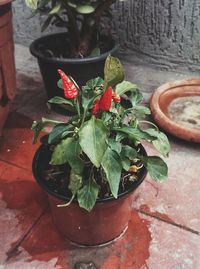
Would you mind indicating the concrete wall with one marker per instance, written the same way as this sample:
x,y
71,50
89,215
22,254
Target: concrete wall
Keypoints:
x,y
163,32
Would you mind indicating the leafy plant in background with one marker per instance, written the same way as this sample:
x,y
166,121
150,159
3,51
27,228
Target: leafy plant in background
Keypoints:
x,y
81,18
100,142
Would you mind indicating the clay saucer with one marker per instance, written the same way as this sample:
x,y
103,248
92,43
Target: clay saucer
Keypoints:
x,y
175,107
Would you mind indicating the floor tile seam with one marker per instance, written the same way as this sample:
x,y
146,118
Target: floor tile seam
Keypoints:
x,y
180,226
15,165
13,250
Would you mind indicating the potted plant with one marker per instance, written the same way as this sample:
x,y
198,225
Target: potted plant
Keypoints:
x,y
81,50
90,165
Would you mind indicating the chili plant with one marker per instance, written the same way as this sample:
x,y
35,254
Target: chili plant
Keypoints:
x,y
99,143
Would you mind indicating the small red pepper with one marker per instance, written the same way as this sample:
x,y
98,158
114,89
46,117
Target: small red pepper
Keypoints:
x,y
104,103
95,107
116,97
106,100
70,90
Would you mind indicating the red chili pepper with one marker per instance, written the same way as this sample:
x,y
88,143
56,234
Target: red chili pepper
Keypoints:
x,y
95,108
116,97
106,100
104,103
70,90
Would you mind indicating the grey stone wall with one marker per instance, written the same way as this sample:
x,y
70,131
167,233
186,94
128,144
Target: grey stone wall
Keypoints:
x,y
26,28
167,31
163,32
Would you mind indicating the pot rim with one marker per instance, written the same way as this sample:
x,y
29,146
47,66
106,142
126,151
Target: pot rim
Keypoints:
x,y
37,54
36,175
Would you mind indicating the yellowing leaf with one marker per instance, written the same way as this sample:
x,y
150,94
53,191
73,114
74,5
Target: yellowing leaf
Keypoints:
x,y
56,9
32,4
85,9
113,72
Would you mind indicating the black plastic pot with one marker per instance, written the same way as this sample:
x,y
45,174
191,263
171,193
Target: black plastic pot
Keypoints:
x,y
81,69
42,158
108,219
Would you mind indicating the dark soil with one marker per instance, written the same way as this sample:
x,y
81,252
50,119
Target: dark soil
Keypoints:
x,y
56,178
59,47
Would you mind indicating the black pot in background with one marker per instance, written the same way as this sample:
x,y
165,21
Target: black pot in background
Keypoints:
x,y
81,69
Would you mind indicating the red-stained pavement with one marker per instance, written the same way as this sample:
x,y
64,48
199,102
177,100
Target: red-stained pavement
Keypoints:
x,y
164,231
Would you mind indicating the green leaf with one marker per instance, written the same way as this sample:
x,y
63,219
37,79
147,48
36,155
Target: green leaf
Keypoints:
x,y
135,133
111,164
113,72
32,3
136,97
93,136
87,195
120,136
59,84
161,143
92,84
124,87
95,52
68,151
60,101
141,111
72,4
129,152
106,117
38,126
43,3
58,131
156,167
126,163
75,182
85,9
87,102
90,92
115,145
56,9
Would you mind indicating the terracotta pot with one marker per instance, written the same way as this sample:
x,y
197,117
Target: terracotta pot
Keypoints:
x,y
107,220
161,101
7,63
104,223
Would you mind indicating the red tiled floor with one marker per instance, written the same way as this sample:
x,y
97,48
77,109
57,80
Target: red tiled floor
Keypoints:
x,y
16,143
21,201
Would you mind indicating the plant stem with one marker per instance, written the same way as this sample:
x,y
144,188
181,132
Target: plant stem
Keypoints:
x,y
83,118
88,29
150,123
68,203
73,30
78,108
52,121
